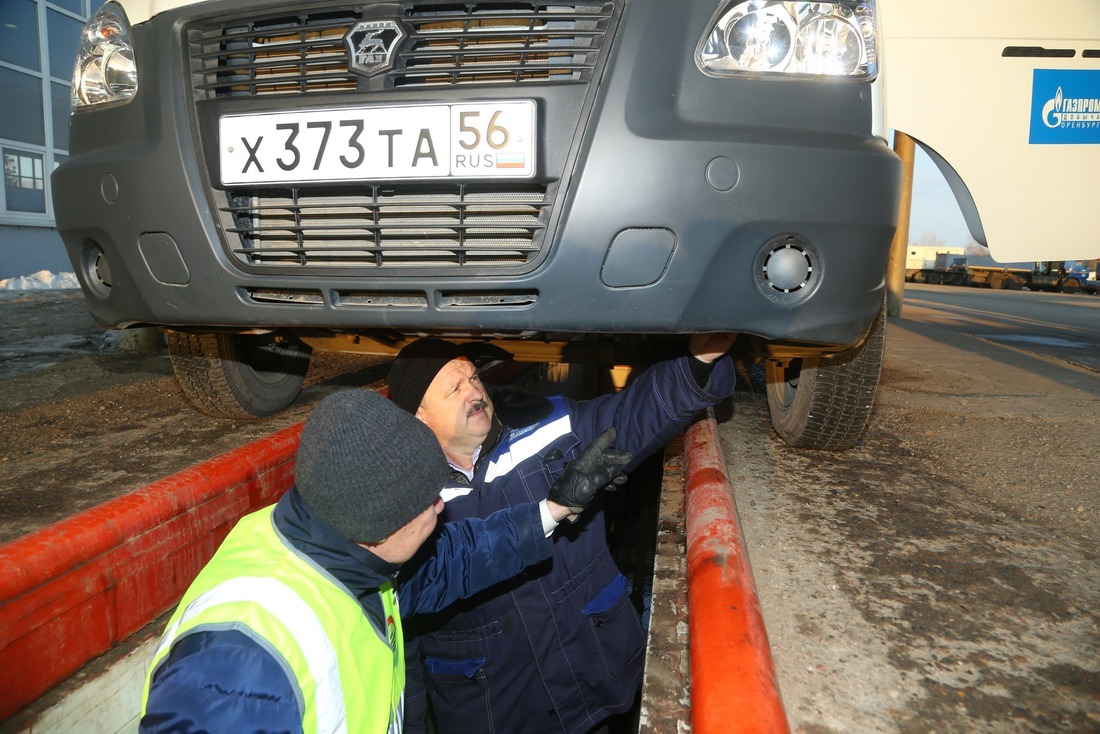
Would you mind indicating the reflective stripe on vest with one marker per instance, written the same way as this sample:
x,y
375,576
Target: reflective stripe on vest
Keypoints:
x,y
349,674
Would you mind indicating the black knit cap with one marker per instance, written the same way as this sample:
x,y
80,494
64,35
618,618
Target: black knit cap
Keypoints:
x,y
417,364
365,467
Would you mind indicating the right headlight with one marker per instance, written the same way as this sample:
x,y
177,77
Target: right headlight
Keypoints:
x,y
835,39
105,71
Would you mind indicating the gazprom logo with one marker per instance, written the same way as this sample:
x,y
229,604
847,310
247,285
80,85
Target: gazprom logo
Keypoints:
x,y
371,45
1065,106
1061,111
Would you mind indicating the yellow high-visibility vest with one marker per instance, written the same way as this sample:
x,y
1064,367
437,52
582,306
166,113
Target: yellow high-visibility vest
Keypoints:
x,y
350,676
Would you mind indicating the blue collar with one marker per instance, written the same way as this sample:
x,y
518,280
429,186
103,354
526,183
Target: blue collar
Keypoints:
x,y
352,565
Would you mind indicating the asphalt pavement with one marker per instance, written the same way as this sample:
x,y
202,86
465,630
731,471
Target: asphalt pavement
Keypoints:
x,y
941,576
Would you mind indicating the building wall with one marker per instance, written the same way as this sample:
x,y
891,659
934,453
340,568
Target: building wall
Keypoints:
x,y
38,42
27,250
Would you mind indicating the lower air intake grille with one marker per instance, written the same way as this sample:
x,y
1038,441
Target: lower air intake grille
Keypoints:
x,y
444,226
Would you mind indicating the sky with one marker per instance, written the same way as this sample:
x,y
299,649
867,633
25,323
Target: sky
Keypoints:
x,y
934,209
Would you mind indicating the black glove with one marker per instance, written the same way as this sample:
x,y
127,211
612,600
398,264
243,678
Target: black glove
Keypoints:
x,y
598,467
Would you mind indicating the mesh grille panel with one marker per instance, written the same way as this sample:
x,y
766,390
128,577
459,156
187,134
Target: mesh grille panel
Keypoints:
x,y
387,227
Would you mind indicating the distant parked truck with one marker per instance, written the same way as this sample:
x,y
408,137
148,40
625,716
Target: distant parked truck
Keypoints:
x,y
1066,276
1090,283
920,261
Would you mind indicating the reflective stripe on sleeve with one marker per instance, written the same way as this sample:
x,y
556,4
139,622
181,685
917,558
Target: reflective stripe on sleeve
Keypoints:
x,y
282,603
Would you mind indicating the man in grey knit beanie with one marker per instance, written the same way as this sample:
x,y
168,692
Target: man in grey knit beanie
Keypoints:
x,y
364,468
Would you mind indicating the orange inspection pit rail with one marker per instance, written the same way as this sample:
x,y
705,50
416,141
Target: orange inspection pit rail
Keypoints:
x,y
733,683
71,591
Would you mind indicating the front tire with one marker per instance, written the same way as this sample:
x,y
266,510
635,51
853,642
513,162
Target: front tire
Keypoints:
x,y
826,403
238,376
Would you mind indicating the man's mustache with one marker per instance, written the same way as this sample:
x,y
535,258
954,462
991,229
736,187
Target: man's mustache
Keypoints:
x,y
476,406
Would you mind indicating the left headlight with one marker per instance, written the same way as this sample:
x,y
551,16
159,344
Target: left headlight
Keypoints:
x,y
105,71
835,39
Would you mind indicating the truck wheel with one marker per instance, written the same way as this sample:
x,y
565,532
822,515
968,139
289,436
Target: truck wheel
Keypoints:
x,y
1071,285
934,278
997,281
825,403
236,376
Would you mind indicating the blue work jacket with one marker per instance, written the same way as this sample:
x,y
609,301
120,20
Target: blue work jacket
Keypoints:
x,y
560,647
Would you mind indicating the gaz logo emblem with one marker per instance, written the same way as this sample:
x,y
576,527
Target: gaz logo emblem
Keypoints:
x,y
371,45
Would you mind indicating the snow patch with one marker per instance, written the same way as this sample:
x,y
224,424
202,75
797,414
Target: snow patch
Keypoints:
x,y
42,280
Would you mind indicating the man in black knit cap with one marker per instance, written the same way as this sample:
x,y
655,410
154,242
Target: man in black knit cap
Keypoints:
x,y
559,649
295,624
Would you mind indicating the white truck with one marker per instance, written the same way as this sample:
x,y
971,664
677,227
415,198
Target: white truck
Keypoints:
x,y
920,260
264,179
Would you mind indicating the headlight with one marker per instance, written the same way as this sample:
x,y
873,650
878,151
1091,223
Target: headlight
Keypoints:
x,y
824,39
105,72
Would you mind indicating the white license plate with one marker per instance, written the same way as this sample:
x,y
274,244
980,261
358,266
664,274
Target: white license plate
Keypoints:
x,y
483,140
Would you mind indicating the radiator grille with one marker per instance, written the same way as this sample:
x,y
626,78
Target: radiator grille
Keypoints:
x,y
440,226
447,45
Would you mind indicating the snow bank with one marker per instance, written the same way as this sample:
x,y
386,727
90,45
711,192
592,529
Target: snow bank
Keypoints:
x,y
42,280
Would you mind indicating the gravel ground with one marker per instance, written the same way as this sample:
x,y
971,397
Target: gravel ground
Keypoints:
x,y
91,414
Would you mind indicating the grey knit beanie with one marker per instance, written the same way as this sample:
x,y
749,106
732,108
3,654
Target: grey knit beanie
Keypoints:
x,y
366,467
